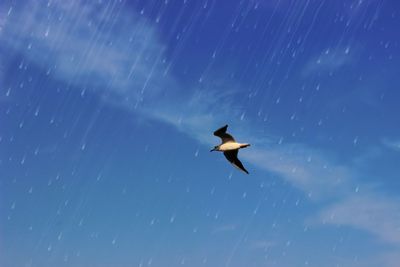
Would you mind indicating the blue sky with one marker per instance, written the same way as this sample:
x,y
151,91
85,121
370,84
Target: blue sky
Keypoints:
x,y
107,110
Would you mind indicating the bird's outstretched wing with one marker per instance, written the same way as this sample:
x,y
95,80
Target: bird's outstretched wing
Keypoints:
x,y
231,156
221,133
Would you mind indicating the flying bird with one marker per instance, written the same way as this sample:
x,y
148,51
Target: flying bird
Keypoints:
x,y
230,147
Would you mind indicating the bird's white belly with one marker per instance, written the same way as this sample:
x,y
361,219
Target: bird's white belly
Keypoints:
x,y
229,146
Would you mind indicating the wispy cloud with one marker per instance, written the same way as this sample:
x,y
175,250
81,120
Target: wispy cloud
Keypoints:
x,y
197,113
391,258
305,168
90,46
377,214
225,228
329,61
391,144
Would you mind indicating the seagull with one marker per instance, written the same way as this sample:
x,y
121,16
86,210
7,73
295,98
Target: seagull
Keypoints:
x,y
230,147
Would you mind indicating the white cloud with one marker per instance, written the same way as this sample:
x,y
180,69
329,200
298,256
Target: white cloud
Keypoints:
x,y
377,214
90,46
391,258
329,61
225,228
305,168
198,113
392,144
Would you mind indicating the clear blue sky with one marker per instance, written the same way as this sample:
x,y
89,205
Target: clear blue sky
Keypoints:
x,y
107,110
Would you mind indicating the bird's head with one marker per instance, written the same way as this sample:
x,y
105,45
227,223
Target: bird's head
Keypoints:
x,y
214,149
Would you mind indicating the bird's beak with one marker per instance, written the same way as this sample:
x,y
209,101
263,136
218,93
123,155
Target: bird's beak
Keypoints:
x,y
212,150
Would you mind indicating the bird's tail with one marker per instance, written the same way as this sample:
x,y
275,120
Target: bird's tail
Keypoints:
x,y
244,145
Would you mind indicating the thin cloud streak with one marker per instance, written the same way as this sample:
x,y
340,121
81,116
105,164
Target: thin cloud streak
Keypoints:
x,y
329,61
373,213
304,168
91,48
225,228
391,144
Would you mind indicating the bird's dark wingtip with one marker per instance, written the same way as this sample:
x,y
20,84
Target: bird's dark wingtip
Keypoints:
x,y
242,168
221,130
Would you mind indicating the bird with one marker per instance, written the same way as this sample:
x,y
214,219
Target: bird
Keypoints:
x,y
229,147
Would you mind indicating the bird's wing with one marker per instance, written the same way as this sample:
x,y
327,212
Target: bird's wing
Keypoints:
x,y
225,137
231,156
